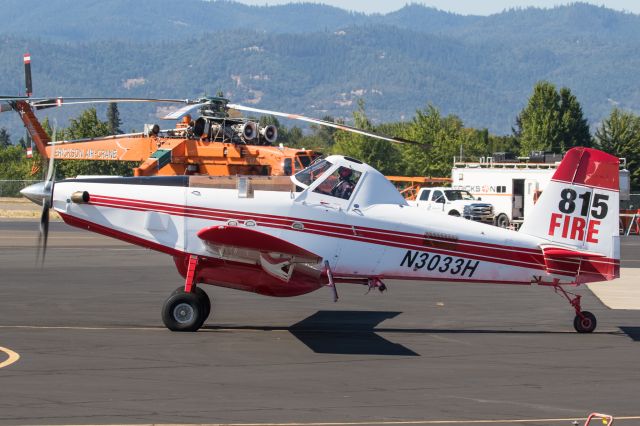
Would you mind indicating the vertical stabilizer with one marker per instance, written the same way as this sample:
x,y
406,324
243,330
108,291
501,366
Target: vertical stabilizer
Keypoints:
x,y
578,214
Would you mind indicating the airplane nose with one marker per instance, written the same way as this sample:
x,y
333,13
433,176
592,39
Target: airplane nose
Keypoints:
x,y
37,192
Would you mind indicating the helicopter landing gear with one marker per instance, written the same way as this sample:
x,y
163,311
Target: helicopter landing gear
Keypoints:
x,y
188,307
584,321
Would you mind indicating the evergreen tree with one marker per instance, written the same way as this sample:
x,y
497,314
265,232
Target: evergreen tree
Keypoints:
x,y
551,121
5,138
575,127
619,135
87,125
539,126
442,139
113,119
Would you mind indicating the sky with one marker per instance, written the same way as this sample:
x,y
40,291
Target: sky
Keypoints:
x,y
464,7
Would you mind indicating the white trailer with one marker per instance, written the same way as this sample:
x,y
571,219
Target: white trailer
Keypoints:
x,y
512,188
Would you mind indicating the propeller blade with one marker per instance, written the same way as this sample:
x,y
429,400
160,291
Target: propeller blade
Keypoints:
x,y
321,122
43,237
47,202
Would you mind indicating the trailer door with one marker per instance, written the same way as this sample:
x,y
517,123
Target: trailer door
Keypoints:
x,y
531,188
517,199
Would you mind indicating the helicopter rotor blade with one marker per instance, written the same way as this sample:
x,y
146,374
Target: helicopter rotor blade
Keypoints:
x,y
177,114
51,102
322,122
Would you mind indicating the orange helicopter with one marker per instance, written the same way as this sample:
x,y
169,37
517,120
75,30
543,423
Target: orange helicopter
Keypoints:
x,y
219,142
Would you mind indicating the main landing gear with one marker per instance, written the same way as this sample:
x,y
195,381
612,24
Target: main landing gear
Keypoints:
x,y
188,307
585,321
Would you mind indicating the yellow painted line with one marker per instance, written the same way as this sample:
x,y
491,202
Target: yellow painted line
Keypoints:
x,y
13,357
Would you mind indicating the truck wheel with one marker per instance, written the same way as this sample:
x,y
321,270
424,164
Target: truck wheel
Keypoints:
x,y
502,221
454,213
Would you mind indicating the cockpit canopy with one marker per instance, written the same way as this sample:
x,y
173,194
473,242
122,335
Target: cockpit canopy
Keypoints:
x,y
343,180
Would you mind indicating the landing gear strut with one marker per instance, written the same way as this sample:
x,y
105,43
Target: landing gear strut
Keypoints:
x,y
584,321
188,307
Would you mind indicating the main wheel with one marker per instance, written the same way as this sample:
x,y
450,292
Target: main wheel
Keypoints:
x,y
183,312
585,324
454,213
204,299
502,220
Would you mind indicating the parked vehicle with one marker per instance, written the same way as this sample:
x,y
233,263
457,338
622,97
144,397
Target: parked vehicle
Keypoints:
x,y
454,202
512,187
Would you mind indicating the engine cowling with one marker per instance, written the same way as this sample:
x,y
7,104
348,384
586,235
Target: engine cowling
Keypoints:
x,y
249,131
269,133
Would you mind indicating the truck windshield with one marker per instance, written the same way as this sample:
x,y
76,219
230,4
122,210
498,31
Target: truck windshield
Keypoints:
x,y
453,195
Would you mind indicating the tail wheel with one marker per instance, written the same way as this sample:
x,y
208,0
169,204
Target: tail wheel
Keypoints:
x,y
585,323
502,221
183,312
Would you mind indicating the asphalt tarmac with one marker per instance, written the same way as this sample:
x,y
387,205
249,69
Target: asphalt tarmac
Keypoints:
x,y
82,342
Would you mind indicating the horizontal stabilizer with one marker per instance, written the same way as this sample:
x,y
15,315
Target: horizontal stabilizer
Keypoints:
x,y
555,251
584,266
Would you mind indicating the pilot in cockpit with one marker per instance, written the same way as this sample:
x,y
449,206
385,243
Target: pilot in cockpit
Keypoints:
x,y
344,187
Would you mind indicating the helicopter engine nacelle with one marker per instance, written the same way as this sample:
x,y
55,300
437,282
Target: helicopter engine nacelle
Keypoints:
x,y
269,133
249,131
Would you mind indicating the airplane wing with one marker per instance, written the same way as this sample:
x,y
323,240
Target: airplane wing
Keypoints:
x,y
276,256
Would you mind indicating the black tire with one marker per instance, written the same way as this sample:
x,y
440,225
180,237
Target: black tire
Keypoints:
x,y
204,301
454,213
585,324
502,221
183,312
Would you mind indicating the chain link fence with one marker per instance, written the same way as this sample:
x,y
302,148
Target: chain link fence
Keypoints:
x,y
11,188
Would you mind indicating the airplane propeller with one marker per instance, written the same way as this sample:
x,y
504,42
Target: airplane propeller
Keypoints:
x,y
42,193
47,203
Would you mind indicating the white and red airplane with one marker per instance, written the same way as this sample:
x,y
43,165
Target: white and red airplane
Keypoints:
x,y
341,221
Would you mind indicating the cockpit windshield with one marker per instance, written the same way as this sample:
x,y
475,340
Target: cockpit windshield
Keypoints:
x,y
307,176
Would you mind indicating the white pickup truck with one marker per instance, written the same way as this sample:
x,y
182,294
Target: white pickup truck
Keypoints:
x,y
454,202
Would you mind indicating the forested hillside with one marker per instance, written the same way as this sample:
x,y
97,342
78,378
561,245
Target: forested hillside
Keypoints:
x,y
320,60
